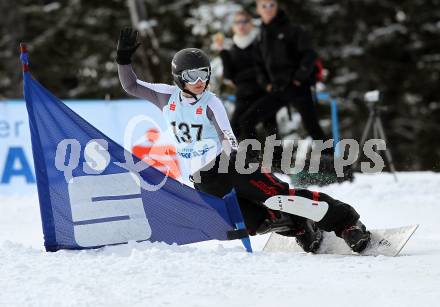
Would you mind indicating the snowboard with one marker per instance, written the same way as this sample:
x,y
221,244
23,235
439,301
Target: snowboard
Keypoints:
x,y
385,242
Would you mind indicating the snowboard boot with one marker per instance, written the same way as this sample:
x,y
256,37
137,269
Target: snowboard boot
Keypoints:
x,y
310,237
356,236
307,235
276,222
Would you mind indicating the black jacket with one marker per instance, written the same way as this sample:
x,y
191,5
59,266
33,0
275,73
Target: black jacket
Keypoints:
x,y
239,67
283,53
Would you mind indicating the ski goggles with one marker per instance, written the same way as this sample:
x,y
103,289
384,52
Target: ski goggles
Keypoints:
x,y
192,76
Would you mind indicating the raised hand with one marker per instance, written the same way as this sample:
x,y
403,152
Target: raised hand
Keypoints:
x,y
127,45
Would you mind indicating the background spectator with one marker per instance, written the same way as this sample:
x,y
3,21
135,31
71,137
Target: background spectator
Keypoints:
x,y
285,62
239,69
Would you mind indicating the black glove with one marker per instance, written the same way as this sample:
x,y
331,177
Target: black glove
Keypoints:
x,y
127,45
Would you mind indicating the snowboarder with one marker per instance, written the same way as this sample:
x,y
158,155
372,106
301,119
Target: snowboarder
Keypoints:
x,y
196,115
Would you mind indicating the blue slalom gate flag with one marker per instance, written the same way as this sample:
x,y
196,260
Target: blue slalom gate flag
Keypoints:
x,y
92,192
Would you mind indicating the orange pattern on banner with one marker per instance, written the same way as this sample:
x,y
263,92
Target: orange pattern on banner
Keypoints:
x,y
162,157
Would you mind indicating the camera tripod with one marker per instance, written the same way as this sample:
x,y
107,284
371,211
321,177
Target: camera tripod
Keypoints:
x,y
374,124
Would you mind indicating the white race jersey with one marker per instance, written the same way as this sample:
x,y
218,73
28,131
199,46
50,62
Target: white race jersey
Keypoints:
x,y
200,126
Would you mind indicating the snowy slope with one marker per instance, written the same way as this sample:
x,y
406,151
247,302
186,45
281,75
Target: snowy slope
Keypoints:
x,y
221,273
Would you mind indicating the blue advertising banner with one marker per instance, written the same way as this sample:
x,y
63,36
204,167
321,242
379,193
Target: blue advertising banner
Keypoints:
x,y
93,192
15,151
135,124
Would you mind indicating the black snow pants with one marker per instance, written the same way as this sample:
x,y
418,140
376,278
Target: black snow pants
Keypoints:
x,y
248,131
253,189
300,97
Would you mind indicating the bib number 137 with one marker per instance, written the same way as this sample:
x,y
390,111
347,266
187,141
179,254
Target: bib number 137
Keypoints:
x,y
186,131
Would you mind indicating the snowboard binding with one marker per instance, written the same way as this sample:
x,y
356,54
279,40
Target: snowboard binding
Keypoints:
x,y
356,236
307,234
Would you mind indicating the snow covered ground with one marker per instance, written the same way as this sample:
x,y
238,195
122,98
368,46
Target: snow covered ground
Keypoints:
x,y
221,273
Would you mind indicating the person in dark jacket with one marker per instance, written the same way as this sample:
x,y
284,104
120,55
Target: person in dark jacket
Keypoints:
x,y
239,68
285,64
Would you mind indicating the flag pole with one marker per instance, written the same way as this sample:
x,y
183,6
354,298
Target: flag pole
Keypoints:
x,y
24,57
